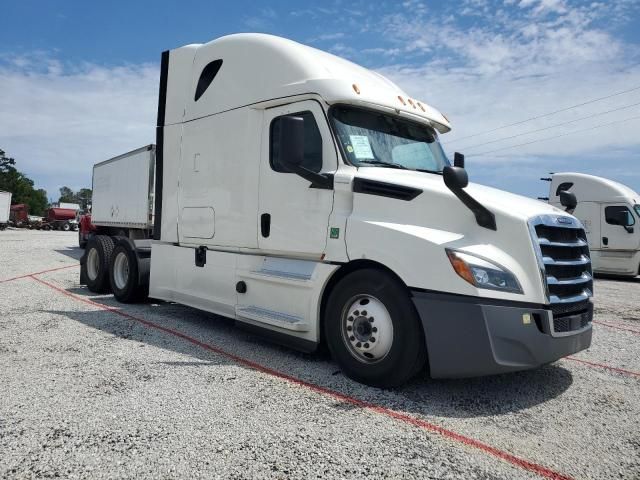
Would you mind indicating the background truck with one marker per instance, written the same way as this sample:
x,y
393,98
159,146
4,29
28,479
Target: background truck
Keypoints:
x,y
19,215
5,208
610,213
313,203
123,197
60,219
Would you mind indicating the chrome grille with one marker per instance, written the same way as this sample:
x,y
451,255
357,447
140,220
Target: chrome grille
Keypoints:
x,y
565,266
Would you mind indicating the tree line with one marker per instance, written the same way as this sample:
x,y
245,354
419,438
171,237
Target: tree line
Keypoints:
x,y
23,190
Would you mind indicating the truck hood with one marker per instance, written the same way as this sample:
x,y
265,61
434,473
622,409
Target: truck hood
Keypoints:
x,y
501,203
410,235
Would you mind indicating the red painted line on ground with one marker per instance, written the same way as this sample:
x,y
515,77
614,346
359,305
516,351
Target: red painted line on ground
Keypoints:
x,y
597,322
606,367
38,273
402,417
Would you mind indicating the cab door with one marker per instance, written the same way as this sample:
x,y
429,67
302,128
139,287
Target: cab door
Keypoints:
x,y
619,227
293,217
619,239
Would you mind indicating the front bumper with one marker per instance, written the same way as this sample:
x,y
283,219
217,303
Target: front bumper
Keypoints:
x,y
469,337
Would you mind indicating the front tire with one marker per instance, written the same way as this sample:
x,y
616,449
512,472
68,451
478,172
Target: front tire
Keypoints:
x,y
95,267
373,331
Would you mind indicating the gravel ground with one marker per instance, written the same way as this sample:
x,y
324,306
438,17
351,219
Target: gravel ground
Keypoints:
x,y
88,393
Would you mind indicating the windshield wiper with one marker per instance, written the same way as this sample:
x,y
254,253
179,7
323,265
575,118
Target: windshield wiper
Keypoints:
x,y
439,172
384,164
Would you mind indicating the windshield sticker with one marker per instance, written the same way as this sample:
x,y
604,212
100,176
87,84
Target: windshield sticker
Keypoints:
x,y
361,147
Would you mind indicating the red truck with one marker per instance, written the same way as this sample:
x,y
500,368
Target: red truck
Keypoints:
x,y
61,219
19,215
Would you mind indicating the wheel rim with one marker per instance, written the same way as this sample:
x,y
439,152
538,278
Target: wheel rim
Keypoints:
x,y
367,328
93,264
121,270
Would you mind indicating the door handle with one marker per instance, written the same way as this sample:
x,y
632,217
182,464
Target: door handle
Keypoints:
x,y
605,241
265,224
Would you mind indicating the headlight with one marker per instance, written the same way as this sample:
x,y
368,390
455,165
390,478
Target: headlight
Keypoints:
x,y
482,273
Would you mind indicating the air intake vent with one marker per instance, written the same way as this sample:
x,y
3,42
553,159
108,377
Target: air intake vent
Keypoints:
x,y
383,189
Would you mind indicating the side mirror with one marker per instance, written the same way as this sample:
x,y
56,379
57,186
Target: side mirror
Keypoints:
x,y
455,178
291,141
629,228
568,200
291,145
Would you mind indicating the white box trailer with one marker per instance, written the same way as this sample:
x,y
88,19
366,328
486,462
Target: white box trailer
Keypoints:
x,y
123,193
610,213
309,198
5,207
70,206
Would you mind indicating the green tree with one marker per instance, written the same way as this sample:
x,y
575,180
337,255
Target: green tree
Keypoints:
x,y
20,186
81,197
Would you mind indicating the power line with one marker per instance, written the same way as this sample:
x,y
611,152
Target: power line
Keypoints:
x,y
554,137
554,126
547,114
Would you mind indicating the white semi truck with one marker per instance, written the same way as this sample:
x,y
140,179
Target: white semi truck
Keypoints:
x,y
610,213
5,207
309,198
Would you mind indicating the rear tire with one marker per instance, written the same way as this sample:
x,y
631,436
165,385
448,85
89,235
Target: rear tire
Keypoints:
x,y
373,330
128,274
66,226
95,267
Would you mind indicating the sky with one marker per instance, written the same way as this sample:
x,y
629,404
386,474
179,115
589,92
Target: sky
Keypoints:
x,y
79,80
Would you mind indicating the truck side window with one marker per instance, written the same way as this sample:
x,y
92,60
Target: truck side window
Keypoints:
x,y
312,144
619,215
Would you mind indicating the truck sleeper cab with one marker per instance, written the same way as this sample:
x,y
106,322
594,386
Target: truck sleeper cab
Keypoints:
x,y
305,197
610,213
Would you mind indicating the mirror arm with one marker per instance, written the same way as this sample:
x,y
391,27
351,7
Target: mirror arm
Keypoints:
x,y
318,180
484,217
456,179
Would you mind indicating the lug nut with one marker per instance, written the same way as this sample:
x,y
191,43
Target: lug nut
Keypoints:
x,y
370,319
349,328
366,345
372,339
358,344
374,329
356,313
352,338
364,313
350,319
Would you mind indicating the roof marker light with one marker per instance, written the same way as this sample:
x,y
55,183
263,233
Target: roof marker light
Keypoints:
x,y
402,100
411,103
421,107
356,89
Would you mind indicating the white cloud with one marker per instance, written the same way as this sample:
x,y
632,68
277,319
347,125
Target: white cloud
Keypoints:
x,y
58,121
511,67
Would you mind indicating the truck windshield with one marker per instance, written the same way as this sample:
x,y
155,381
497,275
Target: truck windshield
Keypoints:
x,y
637,209
376,139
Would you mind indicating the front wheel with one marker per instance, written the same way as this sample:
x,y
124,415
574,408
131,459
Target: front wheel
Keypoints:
x,y
66,226
373,330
